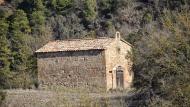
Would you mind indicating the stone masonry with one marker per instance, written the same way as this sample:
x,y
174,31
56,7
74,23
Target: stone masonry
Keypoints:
x,y
94,64
83,69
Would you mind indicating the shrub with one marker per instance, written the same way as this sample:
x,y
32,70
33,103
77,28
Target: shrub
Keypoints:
x,y
90,9
2,97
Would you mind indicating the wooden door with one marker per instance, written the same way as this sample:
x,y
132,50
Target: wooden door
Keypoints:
x,y
119,79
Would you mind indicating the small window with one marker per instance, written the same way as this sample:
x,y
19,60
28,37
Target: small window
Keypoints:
x,y
110,71
118,49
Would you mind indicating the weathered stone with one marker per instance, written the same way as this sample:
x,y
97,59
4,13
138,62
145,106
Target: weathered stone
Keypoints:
x,y
92,69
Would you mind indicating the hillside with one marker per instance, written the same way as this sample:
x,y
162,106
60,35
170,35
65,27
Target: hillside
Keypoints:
x,y
159,31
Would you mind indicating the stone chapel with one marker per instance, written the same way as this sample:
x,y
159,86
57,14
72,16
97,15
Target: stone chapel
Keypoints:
x,y
97,64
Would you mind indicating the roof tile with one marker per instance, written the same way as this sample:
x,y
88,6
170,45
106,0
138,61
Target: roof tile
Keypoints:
x,y
76,45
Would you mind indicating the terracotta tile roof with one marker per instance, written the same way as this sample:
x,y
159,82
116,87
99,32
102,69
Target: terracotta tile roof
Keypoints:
x,y
76,45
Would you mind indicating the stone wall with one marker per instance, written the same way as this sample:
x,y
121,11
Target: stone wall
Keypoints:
x,y
77,69
2,1
117,55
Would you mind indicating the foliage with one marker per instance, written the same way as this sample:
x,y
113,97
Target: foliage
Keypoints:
x,y
38,5
4,54
161,62
37,21
90,9
19,38
60,5
158,30
2,97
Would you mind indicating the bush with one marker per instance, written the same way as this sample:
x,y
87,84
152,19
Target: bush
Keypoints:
x,y
2,97
61,5
90,9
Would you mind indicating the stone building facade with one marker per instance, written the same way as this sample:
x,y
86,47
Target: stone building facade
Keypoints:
x,y
92,64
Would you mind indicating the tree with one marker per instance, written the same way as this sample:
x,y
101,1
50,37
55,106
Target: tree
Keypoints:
x,y
60,5
37,17
37,21
90,9
38,5
4,54
19,46
162,62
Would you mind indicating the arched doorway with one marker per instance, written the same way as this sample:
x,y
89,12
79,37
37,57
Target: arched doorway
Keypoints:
x,y
119,77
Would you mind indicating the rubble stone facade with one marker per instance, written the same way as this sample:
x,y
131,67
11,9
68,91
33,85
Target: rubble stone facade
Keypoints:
x,y
93,69
79,69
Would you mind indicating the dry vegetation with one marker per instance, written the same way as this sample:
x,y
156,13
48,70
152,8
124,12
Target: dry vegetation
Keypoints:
x,y
62,98
159,31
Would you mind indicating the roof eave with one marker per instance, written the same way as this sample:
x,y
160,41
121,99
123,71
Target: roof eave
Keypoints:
x,y
126,42
68,50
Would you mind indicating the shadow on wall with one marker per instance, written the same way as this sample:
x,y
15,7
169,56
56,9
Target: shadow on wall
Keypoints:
x,y
69,53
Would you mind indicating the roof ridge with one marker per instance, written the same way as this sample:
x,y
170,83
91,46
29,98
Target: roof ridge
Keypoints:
x,y
80,39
